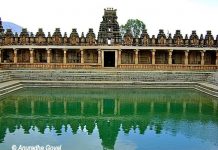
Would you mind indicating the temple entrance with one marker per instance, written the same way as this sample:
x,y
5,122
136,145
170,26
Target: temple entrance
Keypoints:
x,y
109,59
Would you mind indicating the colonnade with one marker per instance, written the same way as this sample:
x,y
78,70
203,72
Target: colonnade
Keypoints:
x,y
118,58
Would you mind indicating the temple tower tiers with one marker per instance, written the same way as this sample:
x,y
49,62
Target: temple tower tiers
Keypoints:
x,y
1,26
109,31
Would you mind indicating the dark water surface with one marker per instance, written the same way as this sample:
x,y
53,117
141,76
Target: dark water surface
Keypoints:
x,y
92,119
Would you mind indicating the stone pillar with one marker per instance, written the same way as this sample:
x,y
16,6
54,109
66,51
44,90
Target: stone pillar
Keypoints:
x,y
202,57
119,56
48,55
186,57
15,55
170,57
99,56
82,56
136,56
0,55
216,57
31,56
65,56
153,56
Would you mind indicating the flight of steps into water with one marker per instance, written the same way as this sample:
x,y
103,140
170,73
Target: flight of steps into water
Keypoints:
x,y
110,79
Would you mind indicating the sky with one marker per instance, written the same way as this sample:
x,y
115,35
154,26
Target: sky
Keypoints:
x,y
170,15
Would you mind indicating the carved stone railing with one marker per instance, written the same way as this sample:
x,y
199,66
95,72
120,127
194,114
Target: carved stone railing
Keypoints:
x,y
48,66
173,67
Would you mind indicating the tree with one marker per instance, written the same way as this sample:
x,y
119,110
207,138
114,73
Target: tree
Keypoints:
x,y
134,25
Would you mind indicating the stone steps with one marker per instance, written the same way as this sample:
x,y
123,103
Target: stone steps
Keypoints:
x,y
10,86
207,89
5,76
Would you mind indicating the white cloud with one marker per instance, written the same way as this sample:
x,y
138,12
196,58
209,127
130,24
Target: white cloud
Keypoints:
x,y
169,15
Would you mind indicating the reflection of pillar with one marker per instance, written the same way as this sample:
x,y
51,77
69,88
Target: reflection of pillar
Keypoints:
x,y
135,107
119,56
49,107
170,57
99,107
200,107
118,107
31,56
102,107
99,56
136,56
153,56
214,106
184,106
82,107
202,57
65,56
65,107
1,107
48,55
82,56
115,106
15,55
152,107
32,107
168,107
216,57
186,57
16,107
0,55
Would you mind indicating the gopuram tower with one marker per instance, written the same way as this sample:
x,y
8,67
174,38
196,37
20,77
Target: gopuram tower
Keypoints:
x,y
109,30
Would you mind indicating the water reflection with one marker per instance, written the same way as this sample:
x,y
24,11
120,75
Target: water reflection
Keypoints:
x,y
110,112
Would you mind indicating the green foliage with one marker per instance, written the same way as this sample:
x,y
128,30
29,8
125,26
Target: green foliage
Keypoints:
x,y
134,25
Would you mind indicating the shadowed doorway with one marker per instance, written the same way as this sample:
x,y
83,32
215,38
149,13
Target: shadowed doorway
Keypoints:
x,y
109,59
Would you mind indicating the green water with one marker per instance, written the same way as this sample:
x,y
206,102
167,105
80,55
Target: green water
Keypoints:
x,y
92,119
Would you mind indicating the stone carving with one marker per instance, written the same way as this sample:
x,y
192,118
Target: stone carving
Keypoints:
x,y
145,38
209,39
83,39
161,38
178,38
194,40
40,37
9,36
153,40
109,28
74,37
31,38
57,37
201,41
128,38
65,38
24,37
169,40
186,40
90,37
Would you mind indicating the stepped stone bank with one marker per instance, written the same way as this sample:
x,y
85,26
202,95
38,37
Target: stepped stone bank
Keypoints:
x,y
108,59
